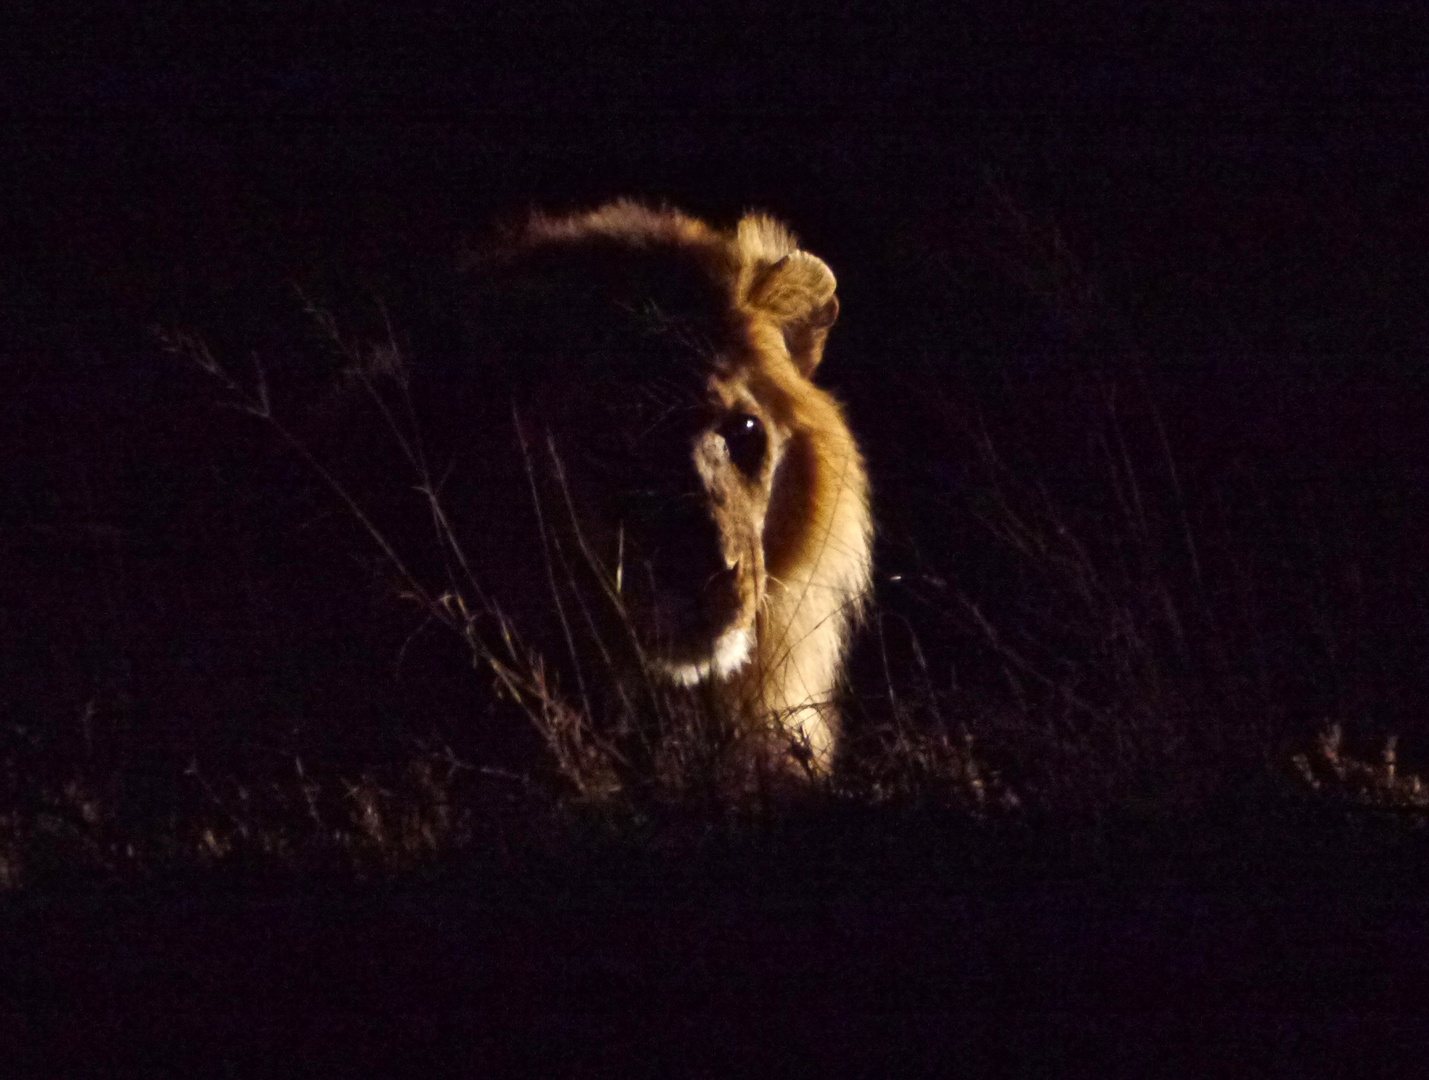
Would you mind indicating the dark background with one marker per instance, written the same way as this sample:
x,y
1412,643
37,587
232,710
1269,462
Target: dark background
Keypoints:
x,y
1222,209
1214,213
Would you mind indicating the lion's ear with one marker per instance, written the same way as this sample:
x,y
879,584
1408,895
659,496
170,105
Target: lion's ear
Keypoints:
x,y
793,286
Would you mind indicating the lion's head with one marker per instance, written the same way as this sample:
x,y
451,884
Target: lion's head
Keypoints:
x,y
661,373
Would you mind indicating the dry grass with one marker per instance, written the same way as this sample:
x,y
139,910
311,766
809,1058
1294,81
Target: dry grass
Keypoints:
x,y
379,823
634,738
1096,646
1337,777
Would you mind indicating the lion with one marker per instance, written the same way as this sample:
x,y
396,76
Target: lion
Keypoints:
x,y
659,375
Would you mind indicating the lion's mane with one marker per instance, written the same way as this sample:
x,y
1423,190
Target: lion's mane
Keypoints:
x,y
738,318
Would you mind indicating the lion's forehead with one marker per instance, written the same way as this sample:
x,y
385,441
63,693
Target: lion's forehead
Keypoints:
x,y
726,365
765,385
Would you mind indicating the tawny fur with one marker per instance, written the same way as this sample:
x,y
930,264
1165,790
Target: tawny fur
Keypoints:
x,y
795,532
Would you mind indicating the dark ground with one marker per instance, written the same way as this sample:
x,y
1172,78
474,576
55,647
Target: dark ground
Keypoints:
x,y
1142,969
1243,193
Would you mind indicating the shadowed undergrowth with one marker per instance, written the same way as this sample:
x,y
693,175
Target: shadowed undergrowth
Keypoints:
x,y
265,643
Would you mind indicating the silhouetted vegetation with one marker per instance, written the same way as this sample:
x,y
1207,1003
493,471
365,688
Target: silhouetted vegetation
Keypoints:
x,y
1131,568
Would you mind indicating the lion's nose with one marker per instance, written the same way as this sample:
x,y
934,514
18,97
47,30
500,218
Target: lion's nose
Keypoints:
x,y
724,579
721,594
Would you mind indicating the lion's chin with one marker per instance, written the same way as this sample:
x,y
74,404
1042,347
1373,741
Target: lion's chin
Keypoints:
x,y
730,652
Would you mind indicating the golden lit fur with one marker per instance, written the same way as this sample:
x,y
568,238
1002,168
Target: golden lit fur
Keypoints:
x,y
728,500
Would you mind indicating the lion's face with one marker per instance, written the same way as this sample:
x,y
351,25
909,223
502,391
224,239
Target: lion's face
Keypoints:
x,y
670,467
678,447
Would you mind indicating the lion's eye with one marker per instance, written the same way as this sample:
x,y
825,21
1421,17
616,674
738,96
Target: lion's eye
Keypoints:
x,y
744,435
